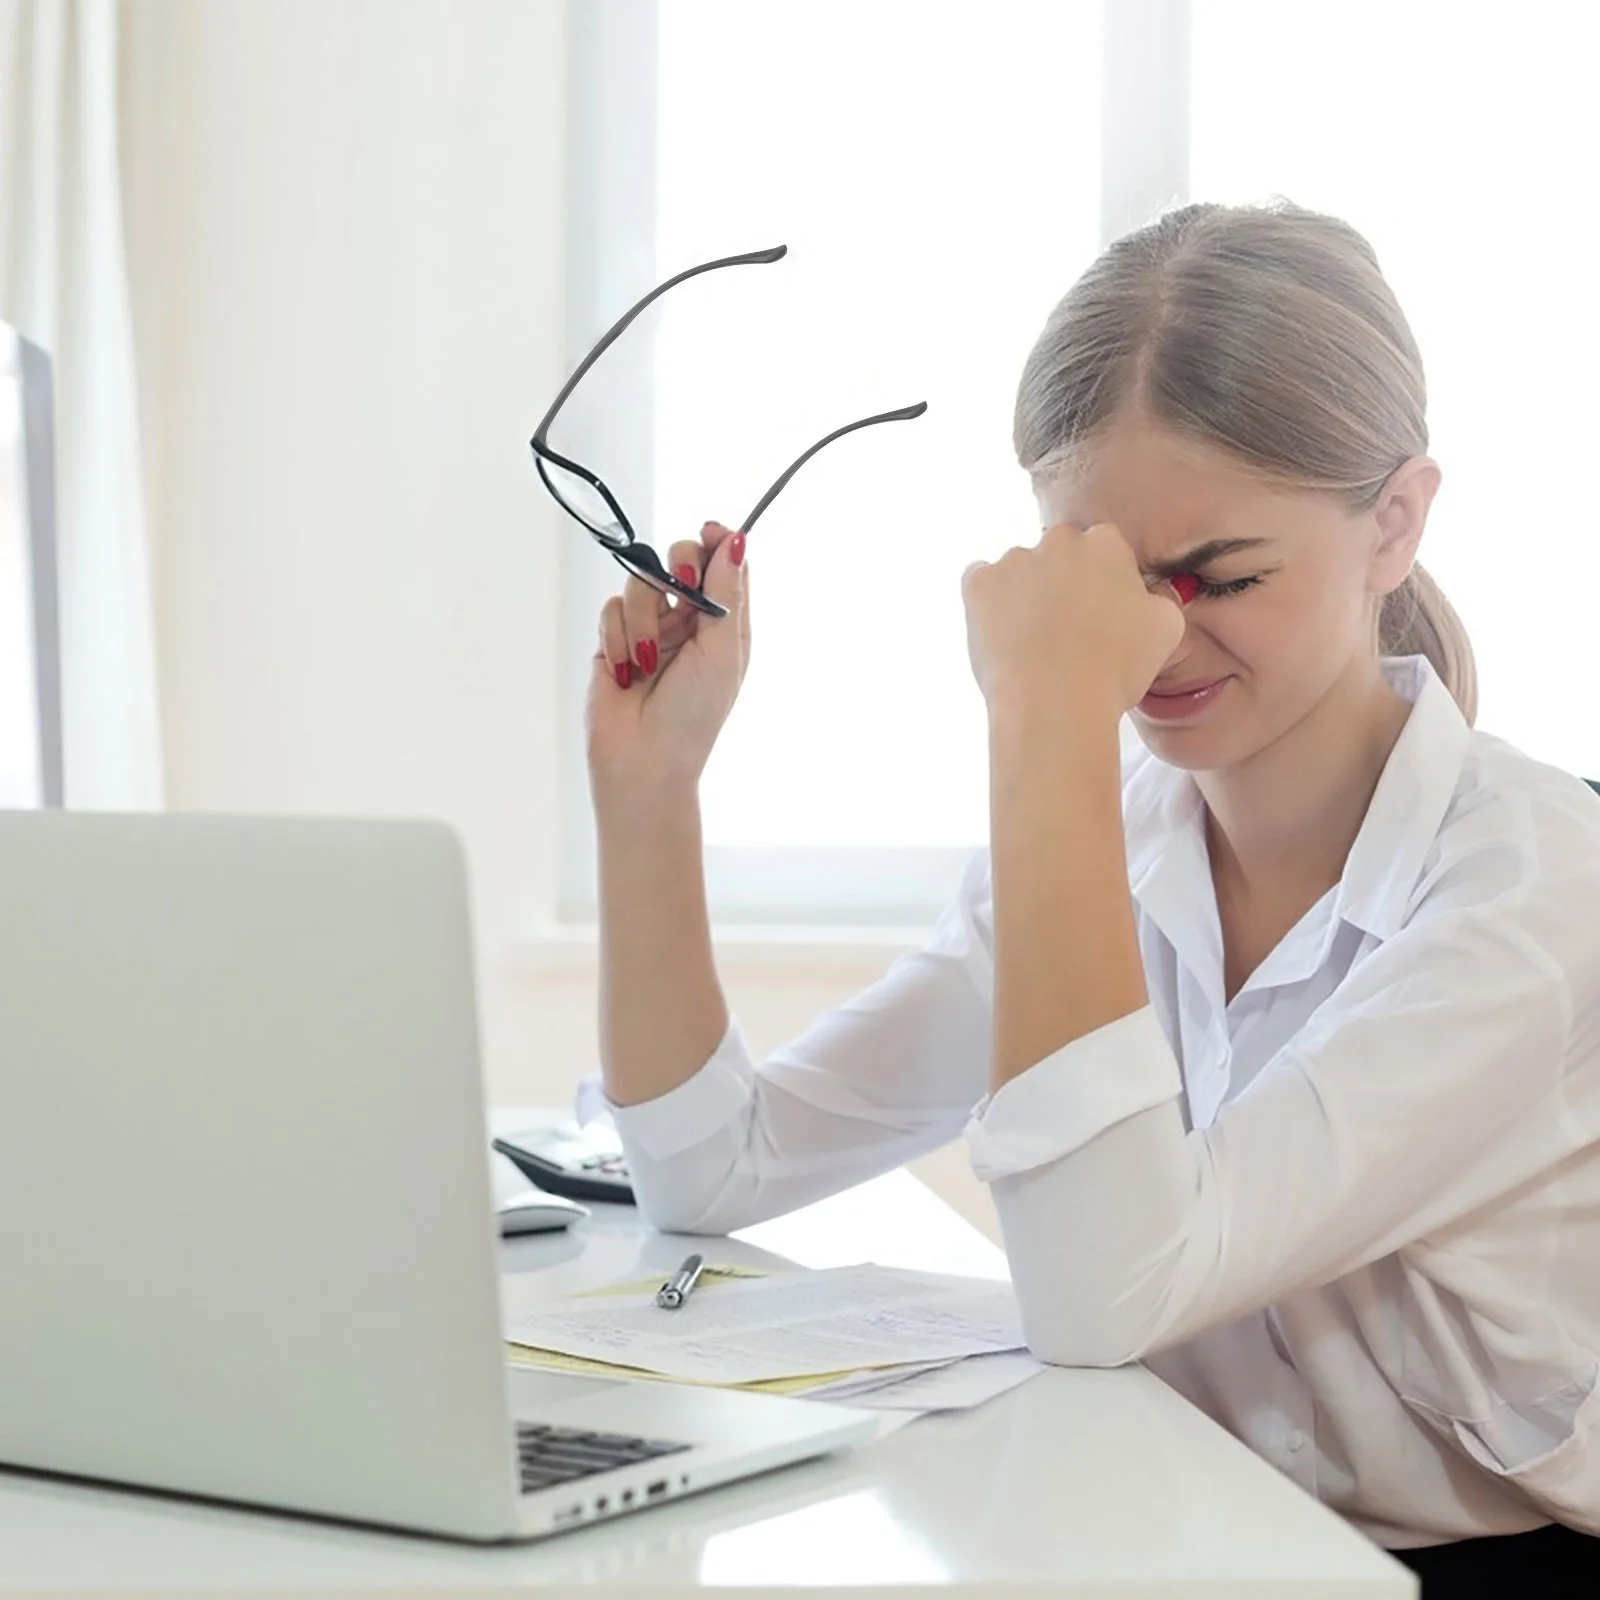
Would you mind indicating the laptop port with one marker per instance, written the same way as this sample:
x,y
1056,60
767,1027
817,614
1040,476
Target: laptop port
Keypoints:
x,y
602,1503
658,1487
571,1514
627,1497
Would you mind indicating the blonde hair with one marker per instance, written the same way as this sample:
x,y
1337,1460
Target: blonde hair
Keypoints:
x,y
1269,332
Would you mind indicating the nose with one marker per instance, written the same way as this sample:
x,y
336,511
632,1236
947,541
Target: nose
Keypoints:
x,y
1183,586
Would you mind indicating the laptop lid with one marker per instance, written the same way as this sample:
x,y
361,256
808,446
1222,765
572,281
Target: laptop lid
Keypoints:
x,y
246,1226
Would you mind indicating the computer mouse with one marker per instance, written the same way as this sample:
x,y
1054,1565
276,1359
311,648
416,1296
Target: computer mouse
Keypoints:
x,y
522,1208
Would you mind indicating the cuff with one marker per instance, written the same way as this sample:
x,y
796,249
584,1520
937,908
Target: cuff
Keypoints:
x,y
1062,1102
697,1108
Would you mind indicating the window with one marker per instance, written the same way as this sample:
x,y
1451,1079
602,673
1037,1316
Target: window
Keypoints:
x,y
941,176
938,186
1457,139
938,192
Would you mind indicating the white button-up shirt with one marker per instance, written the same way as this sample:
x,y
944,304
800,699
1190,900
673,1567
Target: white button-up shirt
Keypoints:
x,y
1353,1214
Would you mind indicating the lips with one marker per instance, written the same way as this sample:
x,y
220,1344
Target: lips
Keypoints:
x,y
1177,703
1174,689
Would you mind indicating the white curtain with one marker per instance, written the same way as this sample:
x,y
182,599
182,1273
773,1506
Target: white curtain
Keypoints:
x,y
63,283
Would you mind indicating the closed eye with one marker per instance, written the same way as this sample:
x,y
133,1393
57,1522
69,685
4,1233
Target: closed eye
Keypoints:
x,y
1217,591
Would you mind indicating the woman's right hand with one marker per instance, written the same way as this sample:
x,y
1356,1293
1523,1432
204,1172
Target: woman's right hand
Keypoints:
x,y
665,675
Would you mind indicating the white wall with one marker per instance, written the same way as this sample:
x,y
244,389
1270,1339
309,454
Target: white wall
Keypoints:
x,y
346,246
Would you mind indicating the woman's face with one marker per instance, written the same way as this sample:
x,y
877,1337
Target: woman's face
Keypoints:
x,y
1286,604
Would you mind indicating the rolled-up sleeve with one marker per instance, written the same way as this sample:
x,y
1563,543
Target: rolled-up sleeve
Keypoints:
x,y
1062,1103
1433,1080
885,1077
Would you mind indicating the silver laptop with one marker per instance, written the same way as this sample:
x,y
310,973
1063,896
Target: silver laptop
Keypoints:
x,y
247,1235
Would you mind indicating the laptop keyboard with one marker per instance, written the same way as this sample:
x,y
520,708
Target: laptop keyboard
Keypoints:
x,y
550,1455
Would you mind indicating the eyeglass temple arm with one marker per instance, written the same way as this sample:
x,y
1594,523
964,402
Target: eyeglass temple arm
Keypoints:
x,y
776,253
904,414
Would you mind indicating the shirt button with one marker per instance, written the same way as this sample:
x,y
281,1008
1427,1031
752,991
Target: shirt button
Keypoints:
x,y
1296,1440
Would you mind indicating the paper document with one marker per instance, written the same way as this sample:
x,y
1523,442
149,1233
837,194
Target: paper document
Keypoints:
x,y
947,1386
523,1355
848,1385
786,1326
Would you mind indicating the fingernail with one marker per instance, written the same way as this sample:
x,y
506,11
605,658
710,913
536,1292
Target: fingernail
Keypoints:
x,y
647,656
736,549
624,672
686,574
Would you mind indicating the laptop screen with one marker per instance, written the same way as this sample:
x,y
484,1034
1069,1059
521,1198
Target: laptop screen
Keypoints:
x,y
30,659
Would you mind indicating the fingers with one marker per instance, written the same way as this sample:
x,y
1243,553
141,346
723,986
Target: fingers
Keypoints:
x,y
723,576
712,536
700,565
614,642
642,605
641,629
648,617
687,560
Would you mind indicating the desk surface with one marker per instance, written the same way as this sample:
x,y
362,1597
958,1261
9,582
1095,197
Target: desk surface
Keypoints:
x,y
1081,1482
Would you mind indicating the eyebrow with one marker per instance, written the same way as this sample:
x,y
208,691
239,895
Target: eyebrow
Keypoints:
x,y
1211,550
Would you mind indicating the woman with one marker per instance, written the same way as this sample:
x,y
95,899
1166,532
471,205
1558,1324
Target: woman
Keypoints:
x,y
1277,1038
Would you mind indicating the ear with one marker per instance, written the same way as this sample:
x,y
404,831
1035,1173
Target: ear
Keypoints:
x,y
1400,514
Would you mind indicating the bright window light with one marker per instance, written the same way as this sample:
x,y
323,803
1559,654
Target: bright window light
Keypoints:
x,y
935,174
1459,140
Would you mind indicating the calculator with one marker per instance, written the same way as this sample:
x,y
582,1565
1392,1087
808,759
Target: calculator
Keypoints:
x,y
570,1161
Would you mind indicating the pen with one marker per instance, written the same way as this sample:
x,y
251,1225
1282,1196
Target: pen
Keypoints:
x,y
676,1289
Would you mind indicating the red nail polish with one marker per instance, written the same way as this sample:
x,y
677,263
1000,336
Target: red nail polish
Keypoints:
x,y
686,574
647,656
736,549
1186,586
624,672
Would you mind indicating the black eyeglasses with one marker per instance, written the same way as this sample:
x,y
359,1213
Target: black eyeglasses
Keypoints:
x,y
582,495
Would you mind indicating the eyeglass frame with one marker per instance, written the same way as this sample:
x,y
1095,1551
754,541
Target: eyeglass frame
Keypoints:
x,y
647,565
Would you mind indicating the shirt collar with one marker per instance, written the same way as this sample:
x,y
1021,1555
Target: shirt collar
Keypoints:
x,y
1164,815
1410,803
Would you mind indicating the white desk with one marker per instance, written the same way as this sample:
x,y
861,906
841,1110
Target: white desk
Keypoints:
x,y
1083,1483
